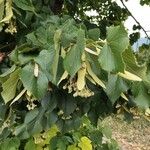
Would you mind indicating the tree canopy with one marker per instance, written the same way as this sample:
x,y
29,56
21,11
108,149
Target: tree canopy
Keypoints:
x,y
61,70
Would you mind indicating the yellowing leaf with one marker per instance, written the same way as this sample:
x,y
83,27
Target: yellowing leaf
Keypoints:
x,y
93,75
44,138
8,12
129,76
50,133
81,78
1,9
85,143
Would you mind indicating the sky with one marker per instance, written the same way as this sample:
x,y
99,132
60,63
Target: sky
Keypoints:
x,y
141,13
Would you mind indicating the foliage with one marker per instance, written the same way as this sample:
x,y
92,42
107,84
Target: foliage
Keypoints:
x,y
147,2
62,70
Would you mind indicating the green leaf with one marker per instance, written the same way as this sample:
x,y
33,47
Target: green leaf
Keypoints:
x,y
52,132
30,145
140,92
45,60
10,144
9,71
69,32
115,87
51,117
110,57
35,126
4,77
94,34
24,48
57,37
70,124
67,104
72,61
142,100
107,132
59,143
14,56
31,38
42,37
96,137
36,85
49,102
21,131
9,87
31,115
25,5
73,147
113,145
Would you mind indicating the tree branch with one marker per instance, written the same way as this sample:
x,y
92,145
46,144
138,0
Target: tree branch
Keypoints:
x,y
135,19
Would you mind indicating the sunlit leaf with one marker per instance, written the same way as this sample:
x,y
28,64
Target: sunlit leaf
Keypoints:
x,y
111,54
85,143
72,147
8,12
9,87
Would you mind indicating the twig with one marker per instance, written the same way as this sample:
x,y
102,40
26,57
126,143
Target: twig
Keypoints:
x,y
135,19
